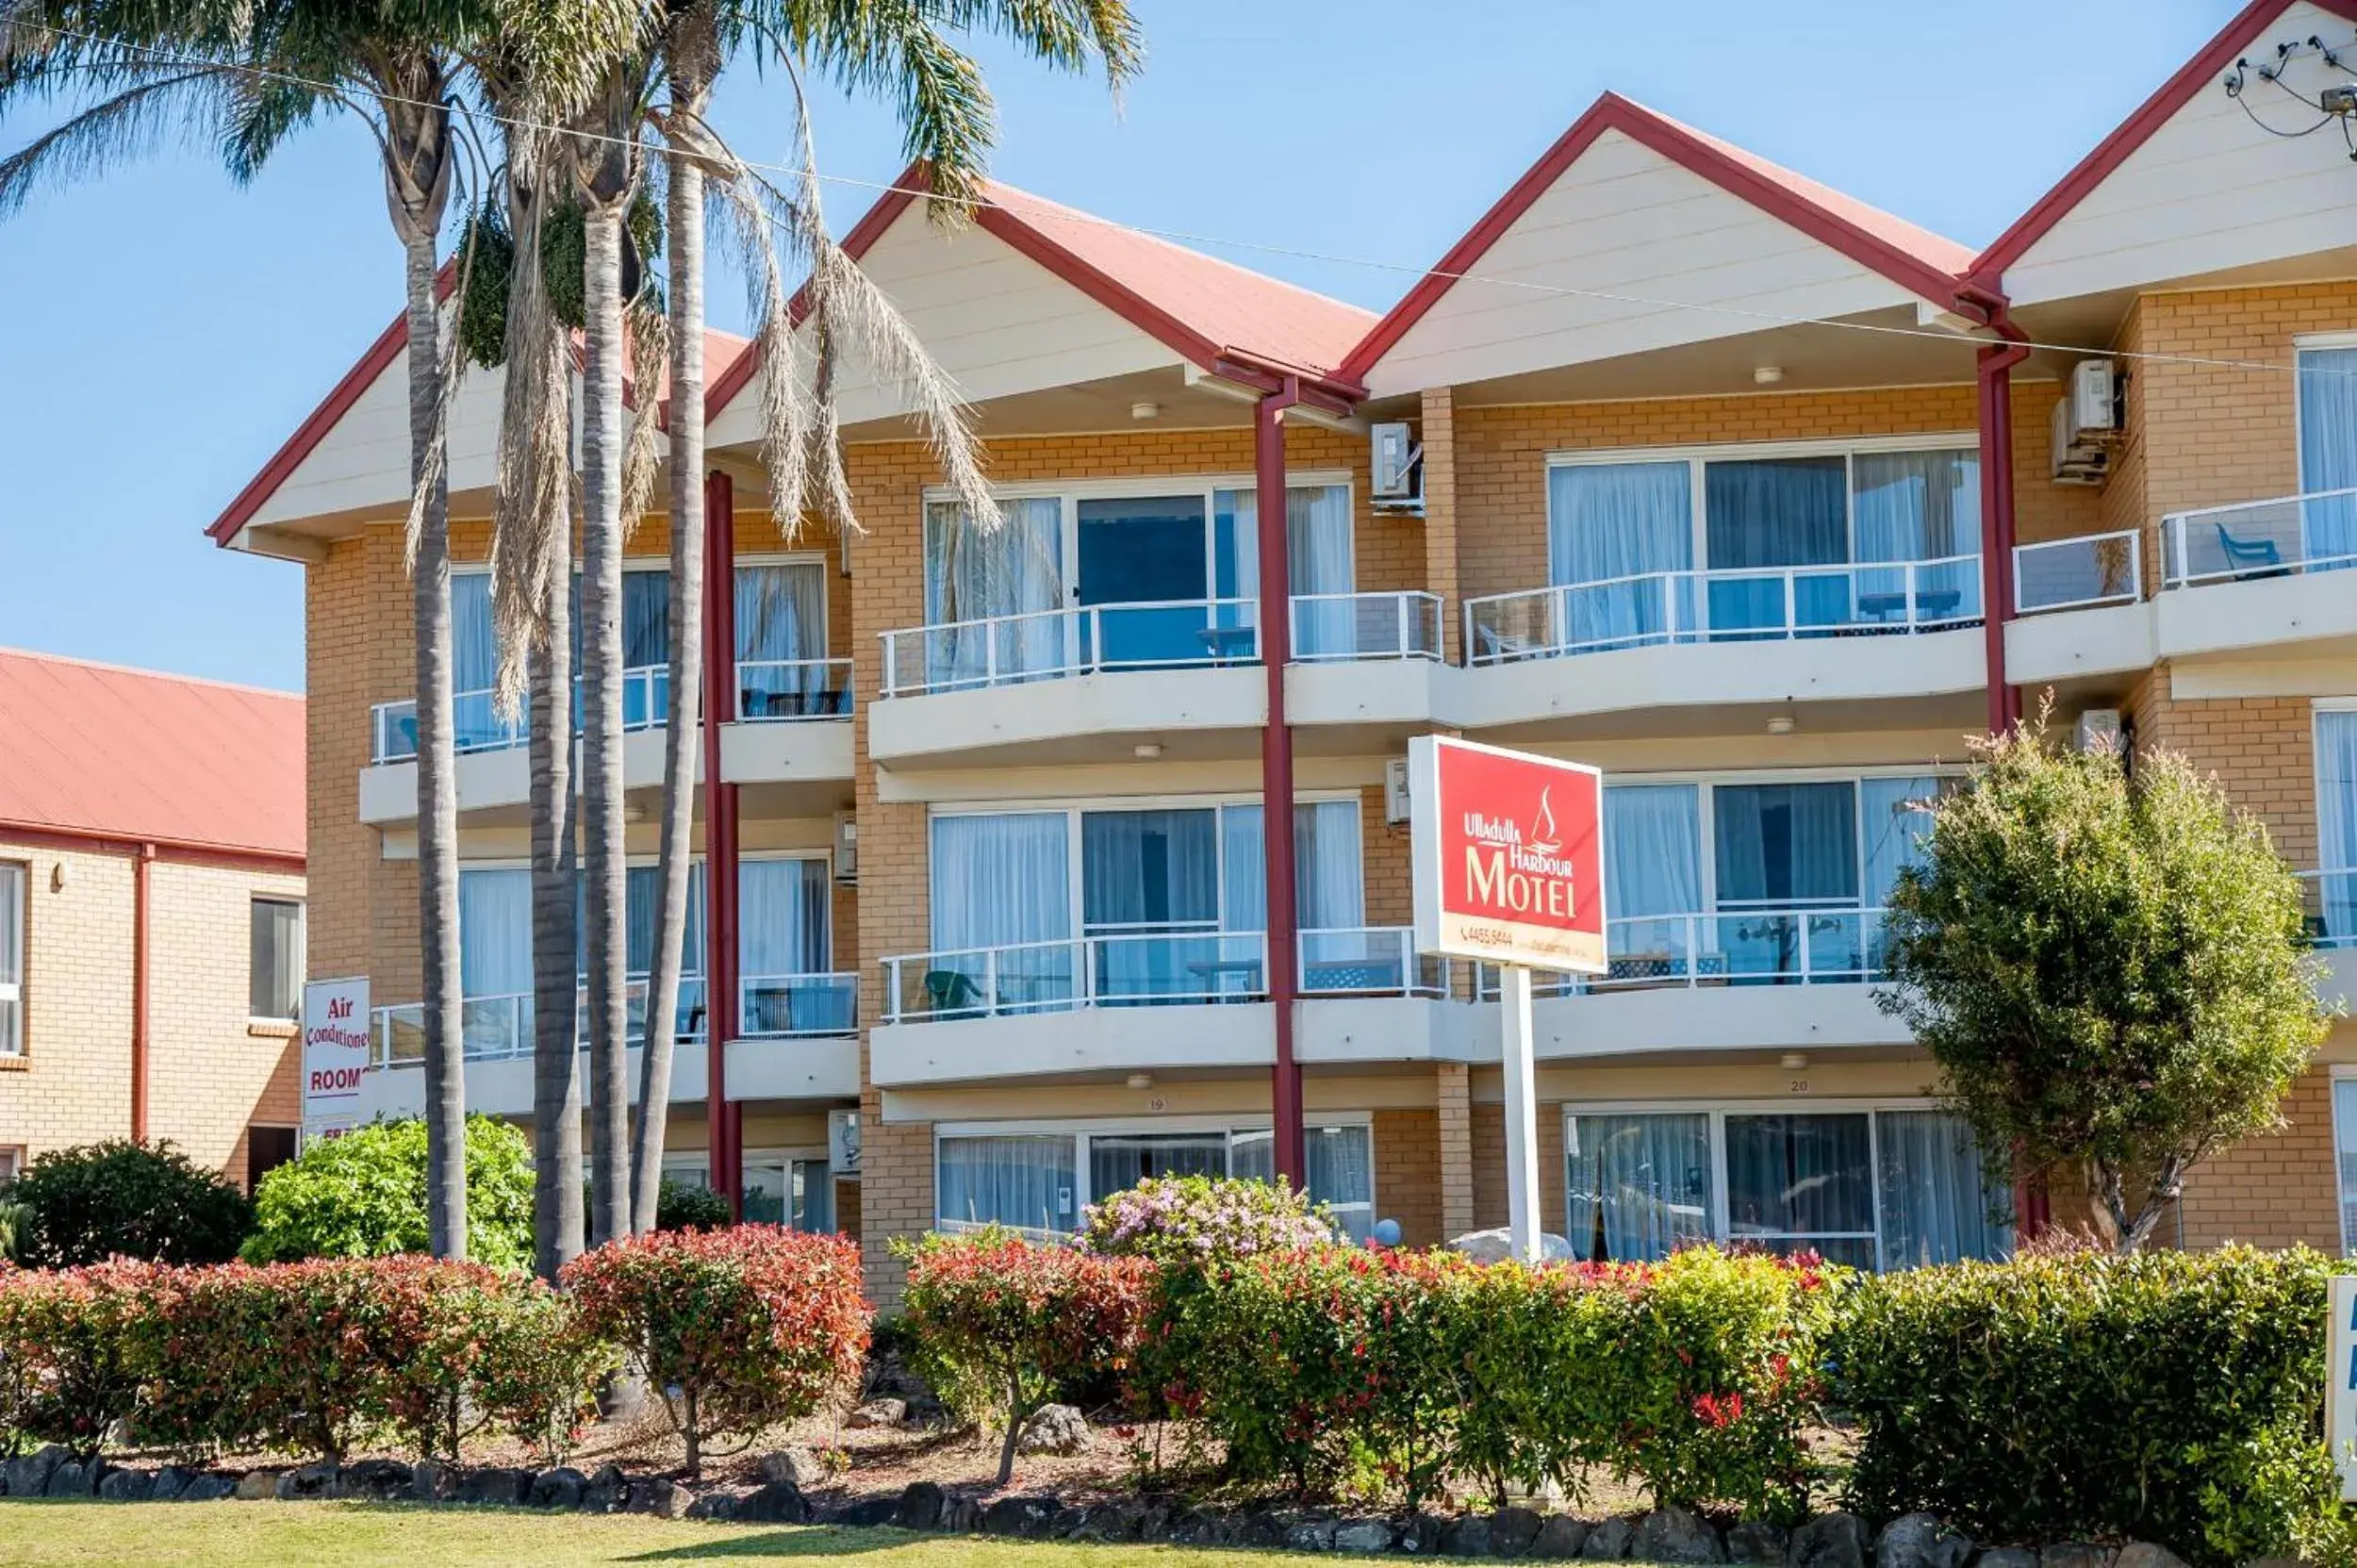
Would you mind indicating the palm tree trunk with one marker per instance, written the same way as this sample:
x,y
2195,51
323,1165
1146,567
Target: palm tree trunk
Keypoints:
x,y
601,790
437,779
682,732
558,1221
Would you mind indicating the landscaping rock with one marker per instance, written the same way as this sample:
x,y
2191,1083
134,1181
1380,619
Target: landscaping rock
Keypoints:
x,y
1561,1537
1674,1535
1496,1246
127,1486
608,1493
1260,1527
794,1466
1309,1535
432,1481
658,1495
1755,1540
1026,1518
71,1479
258,1486
1830,1541
920,1507
208,1487
1068,1523
28,1477
1922,1541
1468,1536
2075,1554
885,1413
1363,1535
563,1487
778,1503
378,1480
2006,1556
962,1516
1512,1531
1420,1536
865,1514
1608,1542
498,1486
1055,1430
310,1482
2143,1554
171,1483
713,1505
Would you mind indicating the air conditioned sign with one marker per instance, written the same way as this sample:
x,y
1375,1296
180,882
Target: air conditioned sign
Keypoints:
x,y
334,1046
1508,853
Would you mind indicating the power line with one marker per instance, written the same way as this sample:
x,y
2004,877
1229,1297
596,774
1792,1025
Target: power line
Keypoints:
x,y
1054,212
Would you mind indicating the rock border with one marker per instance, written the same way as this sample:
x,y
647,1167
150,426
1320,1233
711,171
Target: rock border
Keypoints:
x,y
1669,1535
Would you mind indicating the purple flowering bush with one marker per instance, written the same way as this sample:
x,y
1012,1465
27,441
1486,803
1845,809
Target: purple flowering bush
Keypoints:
x,y
1202,1219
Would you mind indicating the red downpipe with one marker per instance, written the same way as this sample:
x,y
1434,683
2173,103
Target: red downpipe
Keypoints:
x,y
1277,773
720,948
143,864
1995,373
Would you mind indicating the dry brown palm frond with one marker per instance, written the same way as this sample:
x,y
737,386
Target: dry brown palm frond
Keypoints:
x,y
650,333
785,412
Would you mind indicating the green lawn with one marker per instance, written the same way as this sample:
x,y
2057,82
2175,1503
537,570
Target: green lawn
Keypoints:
x,y
333,1535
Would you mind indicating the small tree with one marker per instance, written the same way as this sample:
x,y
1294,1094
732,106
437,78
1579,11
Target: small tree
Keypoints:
x,y
364,1196
2111,975
120,1199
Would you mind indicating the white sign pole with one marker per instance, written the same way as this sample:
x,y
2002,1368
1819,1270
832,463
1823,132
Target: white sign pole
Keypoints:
x,y
2340,1383
1522,1114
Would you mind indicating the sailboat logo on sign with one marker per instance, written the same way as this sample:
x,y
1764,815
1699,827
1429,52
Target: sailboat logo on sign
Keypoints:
x,y
1542,829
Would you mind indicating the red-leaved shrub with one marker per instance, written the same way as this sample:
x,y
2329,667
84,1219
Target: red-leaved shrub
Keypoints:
x,y
65,1376
738,1330
999,1322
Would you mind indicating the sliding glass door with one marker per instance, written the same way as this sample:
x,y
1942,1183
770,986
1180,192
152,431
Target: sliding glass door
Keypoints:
x,y
1773,513
786,918
2335,910
1149,903
782,668
1140,552
1781,850
990,598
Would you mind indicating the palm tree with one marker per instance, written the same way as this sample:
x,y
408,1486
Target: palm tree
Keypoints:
x,y
252,72
899,48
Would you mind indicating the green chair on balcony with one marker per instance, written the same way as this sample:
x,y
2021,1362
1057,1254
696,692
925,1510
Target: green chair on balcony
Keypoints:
x,y
951,991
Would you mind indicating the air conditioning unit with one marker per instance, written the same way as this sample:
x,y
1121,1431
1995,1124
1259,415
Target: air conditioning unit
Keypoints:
x,y
2085,422
2099,731
847,850
1396,465
842,1142
1395,791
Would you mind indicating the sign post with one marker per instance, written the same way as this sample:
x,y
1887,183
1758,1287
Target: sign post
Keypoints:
x,y
334,1053
2340,1383
1508,853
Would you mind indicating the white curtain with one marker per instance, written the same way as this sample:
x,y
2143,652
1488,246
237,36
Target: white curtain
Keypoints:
x,y
1640,1185
1144,877
494,931
642,887
1613,520
1918,506
783,916
1000,878
12,880
2345,1120
473,664
646,618
1652,874
2328,452
781,634
1935,1206
969,575
1804,1180
1328,889
2336,820
1342,1169
1027,1181
1318,560
1896,815
1118,1161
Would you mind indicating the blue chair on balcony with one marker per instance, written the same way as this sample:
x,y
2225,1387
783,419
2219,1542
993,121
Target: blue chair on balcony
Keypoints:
x,y
2249,557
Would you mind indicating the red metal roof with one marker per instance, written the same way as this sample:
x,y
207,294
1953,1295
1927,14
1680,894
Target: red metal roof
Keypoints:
x,y
1912,256
98,750
2208,65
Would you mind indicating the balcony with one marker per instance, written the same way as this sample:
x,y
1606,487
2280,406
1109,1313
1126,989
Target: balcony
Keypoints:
x,y
2332,922
792,727
1724,637
494,762
2079,609
477,727
2263,574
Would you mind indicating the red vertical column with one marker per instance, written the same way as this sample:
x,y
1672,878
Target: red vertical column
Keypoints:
x,y
720,939
1277,773
1995,369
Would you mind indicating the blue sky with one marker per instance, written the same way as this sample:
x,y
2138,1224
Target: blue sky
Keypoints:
x,y
169,329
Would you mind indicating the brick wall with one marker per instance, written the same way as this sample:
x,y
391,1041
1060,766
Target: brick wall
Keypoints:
x,y
211,1075
1408,1174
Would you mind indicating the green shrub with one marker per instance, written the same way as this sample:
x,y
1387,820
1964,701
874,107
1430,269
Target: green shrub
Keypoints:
x,y
738,1330
363,1195
129,1200
538,1369
1198,1219
2171,1397
1000,1323
15,1219
66,1373
680,1206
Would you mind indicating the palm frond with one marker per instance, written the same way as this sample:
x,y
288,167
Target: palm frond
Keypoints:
x,y
650,333
185,104
786,414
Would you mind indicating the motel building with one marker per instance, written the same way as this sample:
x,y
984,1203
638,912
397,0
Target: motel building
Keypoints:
x,y
994,810
151,913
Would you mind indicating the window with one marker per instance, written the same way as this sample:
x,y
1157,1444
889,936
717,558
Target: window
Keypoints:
x,y
2332,916
1870,1188
275,985
2327,456
2345,1149
1040,1182
782,667
13,882
12,1162
793,1190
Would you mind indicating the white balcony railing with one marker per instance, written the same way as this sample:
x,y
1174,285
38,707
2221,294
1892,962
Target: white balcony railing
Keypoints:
x,y
1117,970
793,1007
1336,627
477,726
2331,907
2078,573
499,1027
1794,946
1049,645
2289,534
772,689
1371,961
1751,605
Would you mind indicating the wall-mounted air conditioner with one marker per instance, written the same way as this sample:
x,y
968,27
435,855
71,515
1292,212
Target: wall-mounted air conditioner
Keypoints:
x,y
847,850
1395,791
2085,423
842,1142
1396,465
2099,731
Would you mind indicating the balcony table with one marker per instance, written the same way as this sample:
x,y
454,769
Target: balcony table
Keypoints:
x,y
1214,970
1227,645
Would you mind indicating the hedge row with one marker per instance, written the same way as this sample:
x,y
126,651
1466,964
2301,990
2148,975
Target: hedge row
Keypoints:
x,y
326,1357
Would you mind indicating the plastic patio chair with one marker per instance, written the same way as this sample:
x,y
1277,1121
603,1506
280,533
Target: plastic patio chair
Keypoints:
x,y
951,991
2247,556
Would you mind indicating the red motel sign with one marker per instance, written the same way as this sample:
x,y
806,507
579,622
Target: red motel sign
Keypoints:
x,y
1509,852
